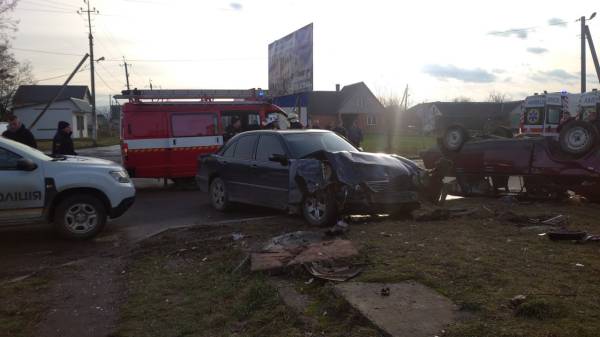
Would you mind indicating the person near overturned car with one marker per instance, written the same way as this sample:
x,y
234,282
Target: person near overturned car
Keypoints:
x,y
18,132
294,121
62,144
355,135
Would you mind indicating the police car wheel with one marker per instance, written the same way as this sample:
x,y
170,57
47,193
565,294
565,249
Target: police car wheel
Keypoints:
x,y
80,217
577,138
219,197
319,209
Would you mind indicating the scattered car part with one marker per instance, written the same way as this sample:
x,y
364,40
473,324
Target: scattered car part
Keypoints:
x,y
333,272
565,234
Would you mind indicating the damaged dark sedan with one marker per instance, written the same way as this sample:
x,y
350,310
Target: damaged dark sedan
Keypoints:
x,y
313,172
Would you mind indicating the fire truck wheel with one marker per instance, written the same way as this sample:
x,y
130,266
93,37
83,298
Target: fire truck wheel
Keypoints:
x,y
219,197
454,138
578,138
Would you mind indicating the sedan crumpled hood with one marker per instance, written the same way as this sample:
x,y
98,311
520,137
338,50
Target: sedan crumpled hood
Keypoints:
x,y
354,168
357,167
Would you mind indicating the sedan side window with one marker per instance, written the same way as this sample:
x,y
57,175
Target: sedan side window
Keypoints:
x,y
230,150
268,146
8,160
245,147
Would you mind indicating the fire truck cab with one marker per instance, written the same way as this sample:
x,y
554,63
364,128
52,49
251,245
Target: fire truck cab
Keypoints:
x,y
543,113
164,131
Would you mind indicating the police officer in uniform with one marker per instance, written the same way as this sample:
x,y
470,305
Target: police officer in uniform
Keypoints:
x,y
62,144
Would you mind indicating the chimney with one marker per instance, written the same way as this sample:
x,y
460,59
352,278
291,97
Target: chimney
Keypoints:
x,y
337,87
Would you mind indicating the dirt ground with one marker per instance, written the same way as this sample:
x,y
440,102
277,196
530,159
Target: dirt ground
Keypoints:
x,y
180,283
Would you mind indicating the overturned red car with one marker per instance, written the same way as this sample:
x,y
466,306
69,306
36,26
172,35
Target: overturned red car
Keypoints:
x,y
543,167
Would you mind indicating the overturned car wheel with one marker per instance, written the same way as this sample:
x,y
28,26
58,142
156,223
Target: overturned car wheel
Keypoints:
x,y
319,209
578,137
454,138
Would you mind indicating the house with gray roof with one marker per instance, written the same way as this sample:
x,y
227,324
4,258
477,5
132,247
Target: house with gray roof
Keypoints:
x,y
352,102
72,106
426,117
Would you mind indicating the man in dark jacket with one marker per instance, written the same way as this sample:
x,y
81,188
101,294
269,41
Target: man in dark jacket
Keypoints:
x,y
62,144
18,132
355,135
233,129
340,129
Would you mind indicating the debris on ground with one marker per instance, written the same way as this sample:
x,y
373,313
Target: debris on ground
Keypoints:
x,y
294,239
299,248
527,220
339,228
237,236
440,214
565,234
517,300
332,272
409,309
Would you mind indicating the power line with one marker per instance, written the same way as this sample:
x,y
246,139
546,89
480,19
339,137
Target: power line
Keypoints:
x,y
45,52
46,4
103,81
60,76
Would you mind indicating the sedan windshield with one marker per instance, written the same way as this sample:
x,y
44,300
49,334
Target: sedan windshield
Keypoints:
x,y
303,144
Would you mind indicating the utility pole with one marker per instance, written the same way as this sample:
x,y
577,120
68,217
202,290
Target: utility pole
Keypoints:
x,y
126,72
593,51
583,53
89,12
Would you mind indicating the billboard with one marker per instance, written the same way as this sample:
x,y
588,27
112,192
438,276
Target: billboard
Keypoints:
x,y
291,63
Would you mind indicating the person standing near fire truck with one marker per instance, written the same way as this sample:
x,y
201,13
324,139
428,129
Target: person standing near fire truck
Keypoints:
x,y
232,129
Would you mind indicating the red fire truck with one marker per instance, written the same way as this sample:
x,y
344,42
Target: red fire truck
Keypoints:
x,y
164,131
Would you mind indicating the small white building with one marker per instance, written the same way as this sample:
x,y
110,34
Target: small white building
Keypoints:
x,y
73,106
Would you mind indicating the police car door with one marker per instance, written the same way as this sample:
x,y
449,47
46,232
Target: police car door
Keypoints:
x,y
21,191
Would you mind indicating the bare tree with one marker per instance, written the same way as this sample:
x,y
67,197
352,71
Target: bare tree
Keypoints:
x,y
497,97
8,25
12,72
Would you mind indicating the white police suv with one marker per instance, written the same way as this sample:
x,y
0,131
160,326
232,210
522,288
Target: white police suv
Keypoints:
x,y
76,194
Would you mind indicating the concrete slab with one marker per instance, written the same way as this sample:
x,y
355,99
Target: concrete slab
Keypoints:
x,y
409,310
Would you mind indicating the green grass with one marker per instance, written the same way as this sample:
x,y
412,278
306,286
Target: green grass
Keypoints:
x,y
481,263
80,143
196,294
408,146
22,306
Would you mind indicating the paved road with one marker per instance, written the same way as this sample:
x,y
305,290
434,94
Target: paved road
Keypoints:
x,y
156,208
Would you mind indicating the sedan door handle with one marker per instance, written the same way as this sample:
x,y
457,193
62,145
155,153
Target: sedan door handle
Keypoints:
x,y
253,166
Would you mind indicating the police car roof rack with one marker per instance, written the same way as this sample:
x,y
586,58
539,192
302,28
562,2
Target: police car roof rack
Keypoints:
x,y
206,95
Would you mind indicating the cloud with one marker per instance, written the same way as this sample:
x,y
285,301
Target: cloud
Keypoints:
x,y
557,22
521,33
537,50
554,75
476,75
498,71
236,6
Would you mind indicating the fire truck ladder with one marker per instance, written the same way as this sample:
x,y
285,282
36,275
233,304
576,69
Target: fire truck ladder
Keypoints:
x,y
188,94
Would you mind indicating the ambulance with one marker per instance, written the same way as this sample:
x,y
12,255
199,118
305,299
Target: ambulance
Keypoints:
x,y
163,132
542,114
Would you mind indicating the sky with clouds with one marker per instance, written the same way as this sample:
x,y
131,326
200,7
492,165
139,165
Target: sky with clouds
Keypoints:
x,y
440,49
